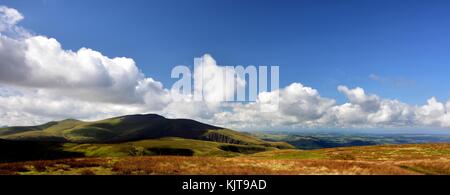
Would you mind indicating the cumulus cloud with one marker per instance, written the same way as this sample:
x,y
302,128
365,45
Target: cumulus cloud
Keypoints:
x,y
434,113
358,97
370,110
298,106
303,107
9,17
41,62
41,81
36,107
210,81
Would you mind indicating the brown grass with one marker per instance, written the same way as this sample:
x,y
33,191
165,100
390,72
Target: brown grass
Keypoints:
x,y
172,165
245,166
376,160
392,152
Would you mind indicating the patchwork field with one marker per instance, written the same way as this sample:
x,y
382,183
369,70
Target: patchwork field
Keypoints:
x,y
416,159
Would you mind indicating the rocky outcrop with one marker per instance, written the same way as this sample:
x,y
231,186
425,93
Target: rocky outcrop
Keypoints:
x,y
218,137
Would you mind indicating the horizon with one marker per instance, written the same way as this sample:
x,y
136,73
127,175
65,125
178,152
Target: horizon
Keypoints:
x,y
372,67
300,131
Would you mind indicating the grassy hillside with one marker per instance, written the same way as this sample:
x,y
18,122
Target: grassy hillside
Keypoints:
x,y
130,128
13,150
165,146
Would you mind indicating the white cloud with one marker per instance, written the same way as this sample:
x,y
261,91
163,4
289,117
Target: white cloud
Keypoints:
x,y
365,110
28,107
396,81
304,103
41,62
299,106
303,107
213,81
358,97
9,17
434,113
41,81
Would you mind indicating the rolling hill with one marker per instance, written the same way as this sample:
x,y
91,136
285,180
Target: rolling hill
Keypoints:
x,y
152,144
131,135
130,128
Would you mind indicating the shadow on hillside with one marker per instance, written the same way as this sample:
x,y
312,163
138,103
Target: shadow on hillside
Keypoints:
x,y
14,151
171,151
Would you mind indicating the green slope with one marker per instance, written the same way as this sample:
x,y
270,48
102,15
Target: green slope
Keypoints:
x,y
131,128
165,146
14,150
22,129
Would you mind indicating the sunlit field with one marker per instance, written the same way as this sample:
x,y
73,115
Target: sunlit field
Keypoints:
x,y
417,159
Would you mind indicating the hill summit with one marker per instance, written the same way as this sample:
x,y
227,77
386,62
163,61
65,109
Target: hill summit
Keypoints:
x,y
130,128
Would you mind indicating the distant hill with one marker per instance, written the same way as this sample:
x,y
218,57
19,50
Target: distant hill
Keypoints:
x,y
130,128
312,141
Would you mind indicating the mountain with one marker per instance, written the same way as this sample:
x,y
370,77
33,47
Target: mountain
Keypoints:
x,y
130,128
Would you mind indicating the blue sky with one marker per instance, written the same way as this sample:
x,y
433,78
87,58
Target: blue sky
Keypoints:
x,y
343,64
318,43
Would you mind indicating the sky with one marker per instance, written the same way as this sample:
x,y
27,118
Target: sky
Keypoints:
x,y
343,64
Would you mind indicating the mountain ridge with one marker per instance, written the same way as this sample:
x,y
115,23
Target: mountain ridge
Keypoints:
x,y
130,128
